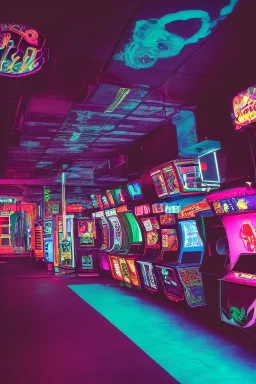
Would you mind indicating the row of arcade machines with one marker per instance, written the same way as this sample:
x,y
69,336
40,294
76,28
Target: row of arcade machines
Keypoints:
x,y
196,246
167,253
71,255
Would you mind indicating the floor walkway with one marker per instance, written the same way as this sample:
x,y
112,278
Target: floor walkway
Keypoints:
x,y
88,331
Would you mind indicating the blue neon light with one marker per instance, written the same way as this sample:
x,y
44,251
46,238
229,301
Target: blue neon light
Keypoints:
x,y
151,41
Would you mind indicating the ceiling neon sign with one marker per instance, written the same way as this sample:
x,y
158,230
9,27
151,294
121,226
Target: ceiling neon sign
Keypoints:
x,y
152,41
22,50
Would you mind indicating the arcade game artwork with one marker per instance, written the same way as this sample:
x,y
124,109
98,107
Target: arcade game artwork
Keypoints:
x,y
85,228
244,107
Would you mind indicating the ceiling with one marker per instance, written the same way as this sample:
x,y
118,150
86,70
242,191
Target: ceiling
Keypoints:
x,y
58,116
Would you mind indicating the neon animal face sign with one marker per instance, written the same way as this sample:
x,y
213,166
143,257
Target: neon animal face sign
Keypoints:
x,y
22,50
151,41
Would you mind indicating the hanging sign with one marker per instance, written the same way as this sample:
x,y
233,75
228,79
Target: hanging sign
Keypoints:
x,y
74,208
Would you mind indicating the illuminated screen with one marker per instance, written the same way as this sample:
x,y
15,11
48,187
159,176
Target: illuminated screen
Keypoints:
x,y
115,268
171,284
104,261
152,232
105,233
47,227
159,182
209,168
110,198
117,233
118,196
48,250
105,202
167,219
99,202
190,177
135,228
85,229
191,234
158,208
94,201
125,270
169,240
86,262
171,180
241,234
244,106
148,275
133,272
134,190
141,210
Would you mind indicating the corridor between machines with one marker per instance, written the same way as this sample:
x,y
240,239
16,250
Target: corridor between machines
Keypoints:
x,y
191,351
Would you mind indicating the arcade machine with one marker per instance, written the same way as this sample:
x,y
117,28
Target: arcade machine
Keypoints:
x,y
65,249
48,241
123,261
86,253
235,219
181,249
236,209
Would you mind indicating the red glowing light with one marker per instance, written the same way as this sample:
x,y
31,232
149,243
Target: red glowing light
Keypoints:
x,y
204,167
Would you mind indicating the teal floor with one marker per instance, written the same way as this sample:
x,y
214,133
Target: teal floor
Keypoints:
x,y
189,352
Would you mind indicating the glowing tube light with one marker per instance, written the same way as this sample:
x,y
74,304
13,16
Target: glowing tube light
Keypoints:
x,y
120,95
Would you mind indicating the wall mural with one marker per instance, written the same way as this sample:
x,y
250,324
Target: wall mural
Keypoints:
x,y
151,41
22,50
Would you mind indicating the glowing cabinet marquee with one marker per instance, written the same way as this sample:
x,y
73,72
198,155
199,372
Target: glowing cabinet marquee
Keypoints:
x,y
22,50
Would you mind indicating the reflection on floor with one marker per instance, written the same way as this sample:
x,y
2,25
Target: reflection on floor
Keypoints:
x,y
190,353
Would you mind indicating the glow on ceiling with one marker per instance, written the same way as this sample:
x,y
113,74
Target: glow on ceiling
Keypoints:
x,y
151,40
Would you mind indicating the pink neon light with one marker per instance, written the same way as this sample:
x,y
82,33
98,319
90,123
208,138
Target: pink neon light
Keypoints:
x,y
237,243
229,193
239,277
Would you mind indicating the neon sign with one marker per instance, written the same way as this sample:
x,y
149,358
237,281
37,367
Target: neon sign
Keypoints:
x,y
152,41
190,210
22,50
244,106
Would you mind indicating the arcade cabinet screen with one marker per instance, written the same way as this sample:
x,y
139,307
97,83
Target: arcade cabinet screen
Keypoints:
x,y
159,182
134,190
99,202
105,202
135,228
216,246
191,235
167,219
241,233
190,176
86,232
192,247
94,201
48,227
110,198
209,168
152,229
171,180
169,240
141,210
119,196
158,208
